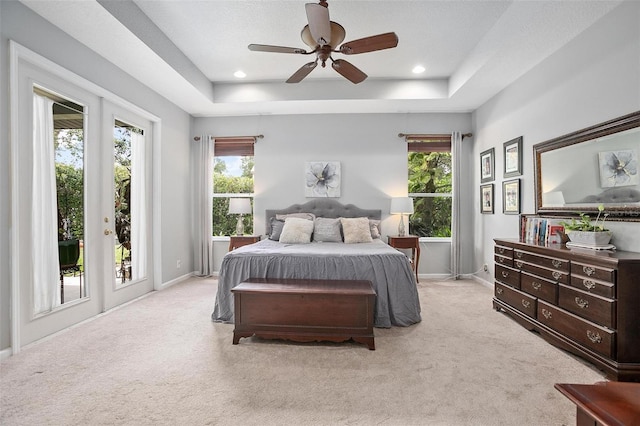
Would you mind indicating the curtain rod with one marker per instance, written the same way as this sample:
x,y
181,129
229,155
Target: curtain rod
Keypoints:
x,y
197,138
431,136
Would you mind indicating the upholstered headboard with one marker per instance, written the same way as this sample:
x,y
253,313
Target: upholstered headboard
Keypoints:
x,y
614,195
324,207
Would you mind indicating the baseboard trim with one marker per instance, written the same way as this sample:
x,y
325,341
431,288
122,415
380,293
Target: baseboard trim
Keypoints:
x,y
6,353
177,280
482,281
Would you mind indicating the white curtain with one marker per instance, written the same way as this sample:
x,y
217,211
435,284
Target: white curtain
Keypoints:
x,y
138,207
203,202
456,154
44,211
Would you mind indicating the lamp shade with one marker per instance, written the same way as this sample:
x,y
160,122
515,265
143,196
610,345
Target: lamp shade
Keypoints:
x,y
402,205
239,206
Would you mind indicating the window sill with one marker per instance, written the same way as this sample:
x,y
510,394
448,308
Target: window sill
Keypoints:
x,y
435,239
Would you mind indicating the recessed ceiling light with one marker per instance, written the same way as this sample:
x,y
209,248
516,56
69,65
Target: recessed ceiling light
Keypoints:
x,y
418,69
239,74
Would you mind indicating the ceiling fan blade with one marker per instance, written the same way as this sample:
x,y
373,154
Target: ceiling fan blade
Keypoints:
x,y
276,49
370,44
349,71
319,25
302,72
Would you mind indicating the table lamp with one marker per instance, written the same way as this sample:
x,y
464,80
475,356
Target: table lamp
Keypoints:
x,y
401,205
239,206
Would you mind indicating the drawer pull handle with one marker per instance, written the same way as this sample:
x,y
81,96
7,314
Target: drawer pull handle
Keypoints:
x,y
556,274
526,303
519,254
519,264
499,290
501,250
546,313
589,284
588,270
536,285
501,259
594,337
582,303
505,274
556,263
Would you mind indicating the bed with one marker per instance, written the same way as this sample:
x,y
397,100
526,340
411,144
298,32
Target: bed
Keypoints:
x,y
389,270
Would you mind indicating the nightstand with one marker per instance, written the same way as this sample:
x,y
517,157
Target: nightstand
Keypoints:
x,y
408,242
236,241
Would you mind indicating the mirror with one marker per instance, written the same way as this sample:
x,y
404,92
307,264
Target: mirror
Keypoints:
x,y
597,165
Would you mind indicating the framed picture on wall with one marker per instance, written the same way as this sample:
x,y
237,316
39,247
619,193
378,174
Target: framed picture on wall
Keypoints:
x,y
486,198
513,157
511,196
487,163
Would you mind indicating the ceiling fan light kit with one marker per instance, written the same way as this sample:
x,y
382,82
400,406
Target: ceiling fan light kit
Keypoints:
x,y
322,36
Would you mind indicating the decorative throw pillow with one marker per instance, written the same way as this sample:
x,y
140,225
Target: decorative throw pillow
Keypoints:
x,y
356,230
375,228
296,231
276,229
308,216
325,229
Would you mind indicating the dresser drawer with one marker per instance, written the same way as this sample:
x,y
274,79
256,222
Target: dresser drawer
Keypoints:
x,y
593,286
539,287
517,299
550,274
592,336
549,262
588,306
508,275
591,271
503,251
503,260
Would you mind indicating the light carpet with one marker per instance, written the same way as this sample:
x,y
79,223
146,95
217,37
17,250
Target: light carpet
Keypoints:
x,y
161,361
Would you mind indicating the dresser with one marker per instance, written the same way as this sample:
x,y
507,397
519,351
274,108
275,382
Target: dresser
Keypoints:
x,y
584,301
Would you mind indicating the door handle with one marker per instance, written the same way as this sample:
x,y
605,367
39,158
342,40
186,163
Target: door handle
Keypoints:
x,y
108,232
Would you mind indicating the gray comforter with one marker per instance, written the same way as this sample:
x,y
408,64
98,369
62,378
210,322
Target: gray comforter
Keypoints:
x,y
389,270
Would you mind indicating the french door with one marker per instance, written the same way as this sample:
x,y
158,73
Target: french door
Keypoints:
x,y
81,196
126,188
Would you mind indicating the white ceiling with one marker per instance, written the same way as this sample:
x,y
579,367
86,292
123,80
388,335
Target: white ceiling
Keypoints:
x,y
188,50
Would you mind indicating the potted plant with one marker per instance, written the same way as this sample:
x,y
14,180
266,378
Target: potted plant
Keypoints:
x,y
585,232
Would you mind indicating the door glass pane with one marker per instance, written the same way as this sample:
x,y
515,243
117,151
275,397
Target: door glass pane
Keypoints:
x,y
130,204
68,139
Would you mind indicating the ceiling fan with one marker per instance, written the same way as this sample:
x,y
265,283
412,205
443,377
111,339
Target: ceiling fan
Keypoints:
x,y
322,36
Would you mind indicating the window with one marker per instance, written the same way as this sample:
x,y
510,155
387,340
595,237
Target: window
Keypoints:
x,y
429,183
232,178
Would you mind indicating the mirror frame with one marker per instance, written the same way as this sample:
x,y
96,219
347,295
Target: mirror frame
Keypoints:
x,y
610,127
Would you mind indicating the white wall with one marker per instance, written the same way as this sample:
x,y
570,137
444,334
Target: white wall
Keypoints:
x,y
27,28
373,163
596,77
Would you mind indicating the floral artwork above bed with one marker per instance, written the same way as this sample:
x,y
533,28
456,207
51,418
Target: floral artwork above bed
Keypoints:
x,y
322,179
618,168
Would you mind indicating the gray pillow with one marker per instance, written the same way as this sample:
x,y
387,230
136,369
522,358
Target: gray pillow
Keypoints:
x,y
328,230
375,228
276,229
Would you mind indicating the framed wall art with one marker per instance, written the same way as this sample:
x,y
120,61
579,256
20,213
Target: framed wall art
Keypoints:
x,y
513,157
511,196
322,179
618,168
486,198
487,164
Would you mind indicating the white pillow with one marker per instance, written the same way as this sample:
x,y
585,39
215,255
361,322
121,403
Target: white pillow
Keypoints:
x,y
296,231
325,229
356,230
